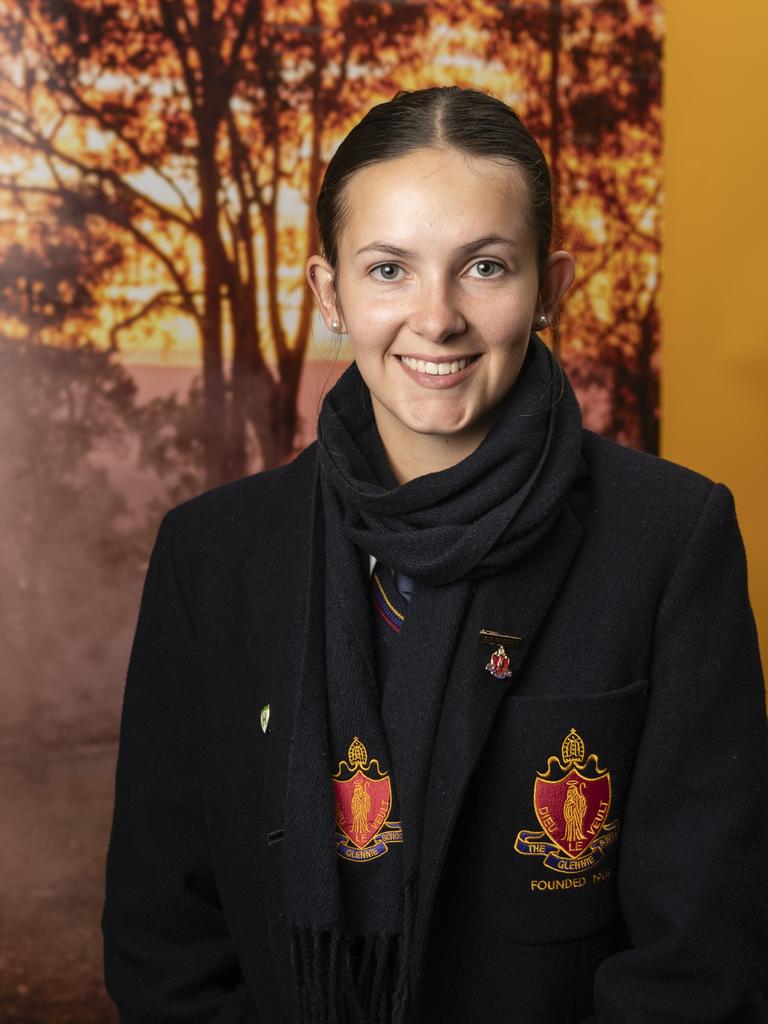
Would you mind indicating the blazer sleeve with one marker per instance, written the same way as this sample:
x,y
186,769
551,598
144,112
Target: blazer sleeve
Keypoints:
x,y
694,850
167,953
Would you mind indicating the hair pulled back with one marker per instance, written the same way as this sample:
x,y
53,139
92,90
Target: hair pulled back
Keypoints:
x,y
443,116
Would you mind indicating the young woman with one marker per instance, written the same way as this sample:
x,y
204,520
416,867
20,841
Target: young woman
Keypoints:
x,y
459,715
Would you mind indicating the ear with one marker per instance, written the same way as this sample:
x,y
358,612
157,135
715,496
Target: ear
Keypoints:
x,y
321,277
559,271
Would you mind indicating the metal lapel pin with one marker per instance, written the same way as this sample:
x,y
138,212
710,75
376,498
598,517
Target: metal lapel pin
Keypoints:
x,y
264,718
498,665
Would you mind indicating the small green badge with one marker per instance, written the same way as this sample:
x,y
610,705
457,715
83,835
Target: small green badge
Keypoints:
x,y
264,718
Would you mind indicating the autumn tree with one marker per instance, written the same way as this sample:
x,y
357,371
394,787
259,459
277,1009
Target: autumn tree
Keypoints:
x,y
187,126
599,116
586,79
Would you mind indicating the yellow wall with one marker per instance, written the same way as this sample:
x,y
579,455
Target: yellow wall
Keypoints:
x,y
714,409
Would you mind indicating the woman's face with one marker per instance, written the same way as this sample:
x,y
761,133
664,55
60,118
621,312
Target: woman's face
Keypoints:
x,y
437,286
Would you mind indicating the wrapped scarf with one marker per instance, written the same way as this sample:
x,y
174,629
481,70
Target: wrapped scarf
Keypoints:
x,y
358,767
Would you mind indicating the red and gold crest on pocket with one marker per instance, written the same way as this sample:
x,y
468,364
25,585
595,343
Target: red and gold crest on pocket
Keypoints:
x,y
363,795
572,801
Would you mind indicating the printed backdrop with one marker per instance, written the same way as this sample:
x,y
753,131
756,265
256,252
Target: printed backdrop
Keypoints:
x,y
158,162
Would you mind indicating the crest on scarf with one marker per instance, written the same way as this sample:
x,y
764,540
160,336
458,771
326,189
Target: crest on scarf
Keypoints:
x,y
572,800
363,794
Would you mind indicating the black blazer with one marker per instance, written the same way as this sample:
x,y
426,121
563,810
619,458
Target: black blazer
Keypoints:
x,y
636,633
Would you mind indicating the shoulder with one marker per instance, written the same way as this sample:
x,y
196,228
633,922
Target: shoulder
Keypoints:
x,y
234,520
649,502
624,480
626,475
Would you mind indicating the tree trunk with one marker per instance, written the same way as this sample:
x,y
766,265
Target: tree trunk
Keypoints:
x,y
648,384
555,43
223,449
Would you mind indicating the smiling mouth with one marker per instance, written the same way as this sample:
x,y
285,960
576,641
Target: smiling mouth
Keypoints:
x,y
442,369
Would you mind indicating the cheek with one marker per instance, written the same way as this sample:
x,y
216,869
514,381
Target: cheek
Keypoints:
x,y
506,322
365,309
375,312
372,331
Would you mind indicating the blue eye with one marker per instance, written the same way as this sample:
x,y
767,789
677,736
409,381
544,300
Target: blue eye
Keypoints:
x,y
387,271
487,268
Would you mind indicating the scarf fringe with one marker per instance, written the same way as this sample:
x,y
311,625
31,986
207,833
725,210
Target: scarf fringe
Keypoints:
x,y
362,980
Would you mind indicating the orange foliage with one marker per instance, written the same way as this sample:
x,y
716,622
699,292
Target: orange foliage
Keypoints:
x,y
174,147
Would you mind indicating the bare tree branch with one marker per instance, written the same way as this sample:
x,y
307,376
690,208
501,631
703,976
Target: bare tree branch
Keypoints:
x,y
100,206
108,124
170,11
164,298
251,16
39,143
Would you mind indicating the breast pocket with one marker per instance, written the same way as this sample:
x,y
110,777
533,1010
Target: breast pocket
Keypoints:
x,y
544,812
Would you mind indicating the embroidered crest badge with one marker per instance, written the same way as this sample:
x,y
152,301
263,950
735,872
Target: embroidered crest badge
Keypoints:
x,y
572,800
363,795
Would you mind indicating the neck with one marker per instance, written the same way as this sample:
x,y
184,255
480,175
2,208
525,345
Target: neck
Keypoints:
x,y
411,454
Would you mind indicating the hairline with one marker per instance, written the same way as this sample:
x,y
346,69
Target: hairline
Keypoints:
x,y
342,204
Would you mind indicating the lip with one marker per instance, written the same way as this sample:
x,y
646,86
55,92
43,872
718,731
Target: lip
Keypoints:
x,y
436,359
431,380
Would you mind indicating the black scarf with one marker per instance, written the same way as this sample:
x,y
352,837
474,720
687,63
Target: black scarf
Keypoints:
x,y
352,901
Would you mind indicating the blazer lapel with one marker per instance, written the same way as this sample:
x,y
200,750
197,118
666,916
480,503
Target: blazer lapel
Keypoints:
x,y
249,663
512,603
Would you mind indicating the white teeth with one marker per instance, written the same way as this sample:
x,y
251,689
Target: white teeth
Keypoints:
x,y
435,369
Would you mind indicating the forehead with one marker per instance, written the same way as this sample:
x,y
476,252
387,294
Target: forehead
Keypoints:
x,y
434,197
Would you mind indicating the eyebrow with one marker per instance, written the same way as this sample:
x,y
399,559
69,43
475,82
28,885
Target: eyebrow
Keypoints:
x,y
464,250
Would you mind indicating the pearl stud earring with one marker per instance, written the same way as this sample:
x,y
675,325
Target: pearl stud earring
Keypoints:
x,y
542,320
335,325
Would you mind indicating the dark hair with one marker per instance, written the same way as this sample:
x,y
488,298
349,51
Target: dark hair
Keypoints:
x,y
444,116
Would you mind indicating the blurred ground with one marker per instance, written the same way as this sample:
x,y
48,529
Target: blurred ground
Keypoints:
x,y
55,806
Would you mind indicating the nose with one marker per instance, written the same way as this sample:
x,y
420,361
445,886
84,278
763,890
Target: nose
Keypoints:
x,y
436,315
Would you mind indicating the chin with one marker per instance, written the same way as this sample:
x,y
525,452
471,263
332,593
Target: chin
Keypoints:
x,y
441,425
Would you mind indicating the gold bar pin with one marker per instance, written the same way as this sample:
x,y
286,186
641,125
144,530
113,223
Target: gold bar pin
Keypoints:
x,y
490,636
